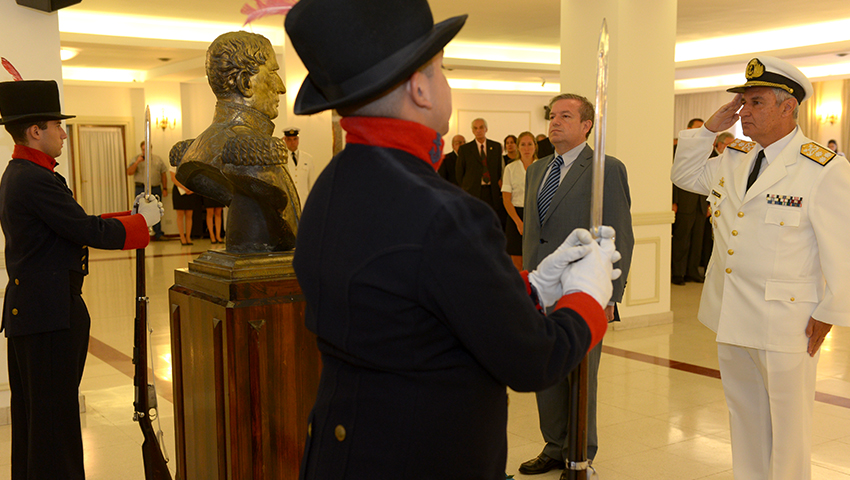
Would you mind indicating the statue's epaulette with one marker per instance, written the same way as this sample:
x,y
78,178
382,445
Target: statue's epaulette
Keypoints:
x,y
817,153
742,145
178,150
250,150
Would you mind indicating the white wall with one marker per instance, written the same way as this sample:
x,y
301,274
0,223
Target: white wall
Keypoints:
x,y
30,41
506,113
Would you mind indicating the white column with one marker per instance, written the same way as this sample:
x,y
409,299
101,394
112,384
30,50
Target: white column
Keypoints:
x,y
640,113
30,41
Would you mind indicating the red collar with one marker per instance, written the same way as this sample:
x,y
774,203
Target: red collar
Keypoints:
x,y
413,138
35,156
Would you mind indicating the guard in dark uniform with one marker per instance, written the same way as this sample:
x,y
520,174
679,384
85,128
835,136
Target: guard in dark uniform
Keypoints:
x,y
44,317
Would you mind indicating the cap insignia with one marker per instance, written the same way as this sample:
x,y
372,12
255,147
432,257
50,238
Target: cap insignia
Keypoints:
x,y
755,69
817,153
742,145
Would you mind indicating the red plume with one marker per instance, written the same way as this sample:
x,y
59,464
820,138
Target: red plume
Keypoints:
x,y
12,71
265,8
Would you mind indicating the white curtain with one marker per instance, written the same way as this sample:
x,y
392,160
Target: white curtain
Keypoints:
x,y
102,170
807,116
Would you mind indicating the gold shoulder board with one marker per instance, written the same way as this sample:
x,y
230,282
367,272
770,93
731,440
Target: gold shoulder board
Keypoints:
x,y
817,153
742,145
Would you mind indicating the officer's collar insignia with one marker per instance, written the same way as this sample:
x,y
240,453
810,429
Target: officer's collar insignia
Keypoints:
x,y
742,145
722,182
817,153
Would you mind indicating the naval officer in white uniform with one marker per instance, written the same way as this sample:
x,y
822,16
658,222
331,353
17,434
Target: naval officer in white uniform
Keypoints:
x,y
777,281
300,165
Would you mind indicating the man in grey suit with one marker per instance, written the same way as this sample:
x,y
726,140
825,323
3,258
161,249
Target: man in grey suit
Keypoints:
x,y
568,173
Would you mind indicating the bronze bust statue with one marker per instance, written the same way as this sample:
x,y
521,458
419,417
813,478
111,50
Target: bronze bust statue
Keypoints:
x,y
236,160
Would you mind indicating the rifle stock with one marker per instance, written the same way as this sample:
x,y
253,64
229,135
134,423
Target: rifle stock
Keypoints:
x,y
154,461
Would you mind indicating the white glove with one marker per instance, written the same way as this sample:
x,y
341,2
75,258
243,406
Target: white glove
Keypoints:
x,y
149,207
546,279
593,273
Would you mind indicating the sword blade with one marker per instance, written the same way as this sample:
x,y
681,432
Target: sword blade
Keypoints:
x,y
148,150
599,136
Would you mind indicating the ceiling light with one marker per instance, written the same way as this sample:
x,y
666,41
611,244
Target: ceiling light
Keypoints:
x,y
102,74
504,86
503,53
67,53
160,28
765,41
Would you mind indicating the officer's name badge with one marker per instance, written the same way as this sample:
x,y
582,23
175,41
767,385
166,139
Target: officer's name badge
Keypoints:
x,y
817,153
784,200
716,194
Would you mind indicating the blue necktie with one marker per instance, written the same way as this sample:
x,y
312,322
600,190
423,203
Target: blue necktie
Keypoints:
x,y
550,187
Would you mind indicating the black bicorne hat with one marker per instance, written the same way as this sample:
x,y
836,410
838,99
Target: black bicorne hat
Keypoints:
x,y
30,100
356,49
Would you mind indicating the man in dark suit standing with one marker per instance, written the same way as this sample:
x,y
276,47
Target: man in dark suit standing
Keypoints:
x,y
557,200
690,210
479,169
44,317
448,169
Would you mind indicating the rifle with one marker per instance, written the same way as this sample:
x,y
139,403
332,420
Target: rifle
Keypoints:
x,y
154,460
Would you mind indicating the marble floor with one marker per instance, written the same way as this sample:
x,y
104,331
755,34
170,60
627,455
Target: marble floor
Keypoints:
x,y
662,414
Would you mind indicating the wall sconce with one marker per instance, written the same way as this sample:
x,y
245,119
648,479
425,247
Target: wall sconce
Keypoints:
x,y
829,112
164,122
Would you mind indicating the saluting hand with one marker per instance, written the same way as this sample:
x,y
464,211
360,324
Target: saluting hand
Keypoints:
x,y
725,117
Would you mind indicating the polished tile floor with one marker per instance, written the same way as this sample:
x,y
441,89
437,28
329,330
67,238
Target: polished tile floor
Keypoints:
x,y
661,409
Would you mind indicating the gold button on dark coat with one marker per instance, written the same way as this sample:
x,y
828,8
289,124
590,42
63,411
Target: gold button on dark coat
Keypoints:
x,y
339,432
14,311
309,429
17,282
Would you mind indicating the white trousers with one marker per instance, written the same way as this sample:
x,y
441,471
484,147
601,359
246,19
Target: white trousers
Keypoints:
x,y
771,397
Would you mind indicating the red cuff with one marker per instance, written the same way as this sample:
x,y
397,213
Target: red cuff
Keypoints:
x,y
136,231
590,311
116,214
529,290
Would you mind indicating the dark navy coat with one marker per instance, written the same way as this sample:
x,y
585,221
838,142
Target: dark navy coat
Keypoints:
x,y
422,321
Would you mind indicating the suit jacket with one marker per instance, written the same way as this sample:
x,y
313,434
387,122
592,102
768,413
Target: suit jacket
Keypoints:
x,y
780,248
545,148
402,273
570,209
448,169
47,238
469,168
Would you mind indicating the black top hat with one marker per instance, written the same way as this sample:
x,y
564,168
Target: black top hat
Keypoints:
x,y
354,50
30,100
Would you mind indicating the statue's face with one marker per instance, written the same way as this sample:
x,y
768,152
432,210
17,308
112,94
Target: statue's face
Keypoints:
x,y
267,87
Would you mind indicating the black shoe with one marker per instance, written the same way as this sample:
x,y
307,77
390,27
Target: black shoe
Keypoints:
x,y
540,464
677,280
695,278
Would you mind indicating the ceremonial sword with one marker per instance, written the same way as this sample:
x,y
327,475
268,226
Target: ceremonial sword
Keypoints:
x,y
577,464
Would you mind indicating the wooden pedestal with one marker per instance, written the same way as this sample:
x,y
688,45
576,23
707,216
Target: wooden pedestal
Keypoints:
x,y
246,369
